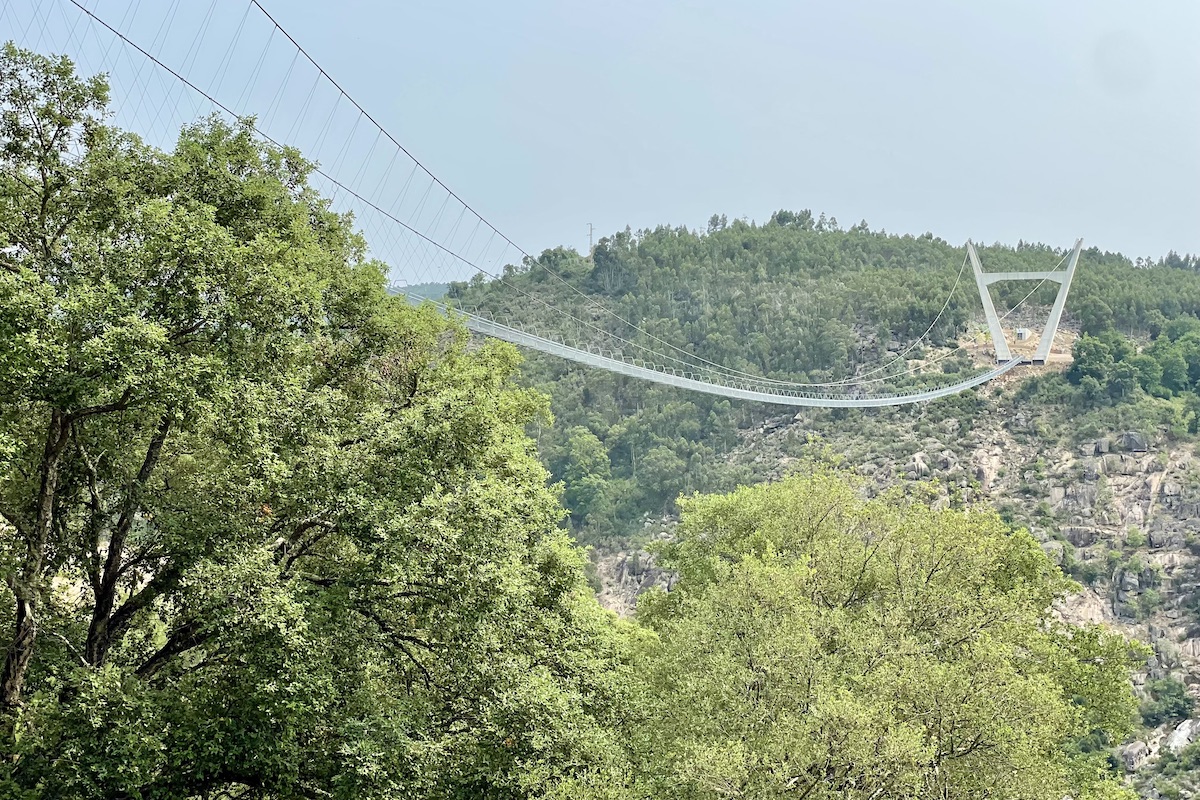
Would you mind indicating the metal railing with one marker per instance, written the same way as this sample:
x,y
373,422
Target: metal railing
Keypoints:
x,y
594,355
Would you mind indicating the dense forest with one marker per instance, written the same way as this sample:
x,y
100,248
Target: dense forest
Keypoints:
x,y
267,531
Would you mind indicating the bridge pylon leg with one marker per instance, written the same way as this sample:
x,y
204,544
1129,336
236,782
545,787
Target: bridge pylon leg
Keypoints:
x,y
1043,352
999,343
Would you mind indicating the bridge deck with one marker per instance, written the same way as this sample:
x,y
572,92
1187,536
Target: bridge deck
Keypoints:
x,y
742,390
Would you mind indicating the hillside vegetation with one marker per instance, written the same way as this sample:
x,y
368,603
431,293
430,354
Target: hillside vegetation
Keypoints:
x,y
1096,459
800,299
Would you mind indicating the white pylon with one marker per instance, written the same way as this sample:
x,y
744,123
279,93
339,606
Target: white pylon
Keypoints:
x,y
985,279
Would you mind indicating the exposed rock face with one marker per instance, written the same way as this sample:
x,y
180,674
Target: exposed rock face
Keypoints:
x,y
1161,538
987,466
1054,551
1187,732
1097,507
1134,755
917,468
1133,441
1080,536
1088,607
625,574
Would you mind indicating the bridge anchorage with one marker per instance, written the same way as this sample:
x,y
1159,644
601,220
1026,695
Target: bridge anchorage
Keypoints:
x,y
985,279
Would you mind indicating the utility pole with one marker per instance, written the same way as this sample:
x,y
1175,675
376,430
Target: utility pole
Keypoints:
x,y
591,246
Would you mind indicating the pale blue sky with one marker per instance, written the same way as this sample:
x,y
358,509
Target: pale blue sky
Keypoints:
x,y
1043,120
1004,120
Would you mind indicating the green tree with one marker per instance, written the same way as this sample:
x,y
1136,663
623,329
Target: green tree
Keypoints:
x,y
1149,372
266,530
585,469
1091,358
1189,347
1168,702
824,646
1091,391
1123,380
1095,315
1174,370
662,476
1181,326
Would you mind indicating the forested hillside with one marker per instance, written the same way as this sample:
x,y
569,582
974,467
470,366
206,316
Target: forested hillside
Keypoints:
x,y
798,298
1094,453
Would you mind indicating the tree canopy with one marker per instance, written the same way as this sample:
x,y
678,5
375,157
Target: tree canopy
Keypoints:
x,y
824,646
263,525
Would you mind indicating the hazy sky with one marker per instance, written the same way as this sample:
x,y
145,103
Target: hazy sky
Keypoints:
x,y
1026,119
1023,119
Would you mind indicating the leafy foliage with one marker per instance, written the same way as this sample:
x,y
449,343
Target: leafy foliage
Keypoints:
x,y
1176,776
1109,370
266,529
820,645
1169,702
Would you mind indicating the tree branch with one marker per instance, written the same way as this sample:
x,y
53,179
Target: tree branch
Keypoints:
x,y
14,519
99,634
157,586
119,405
97,507
25,588
291,557
82,661
187,637
188,331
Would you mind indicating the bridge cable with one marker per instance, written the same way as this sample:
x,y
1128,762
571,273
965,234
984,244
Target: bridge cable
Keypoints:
x,y
719,369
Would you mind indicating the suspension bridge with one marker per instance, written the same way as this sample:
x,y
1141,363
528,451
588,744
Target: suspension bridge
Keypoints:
x,y
162,78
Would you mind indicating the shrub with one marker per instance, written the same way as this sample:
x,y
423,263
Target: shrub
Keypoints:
x,y
1169,702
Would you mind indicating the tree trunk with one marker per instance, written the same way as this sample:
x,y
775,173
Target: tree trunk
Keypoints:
x,y
19,653
27,587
